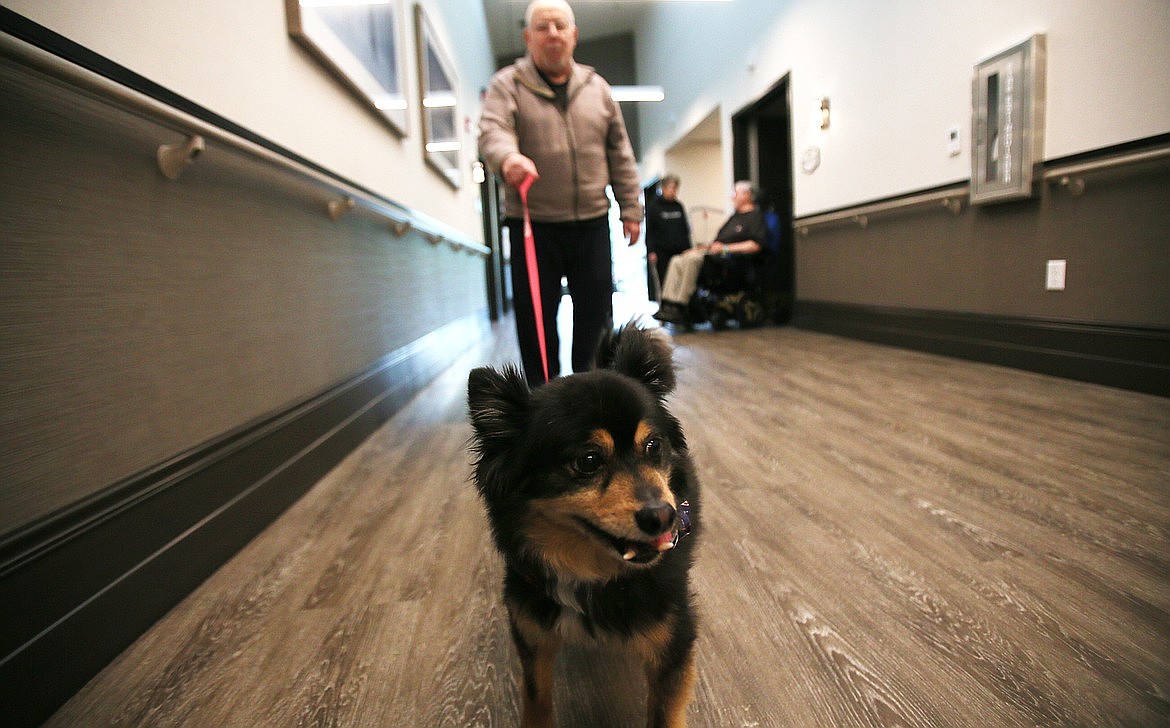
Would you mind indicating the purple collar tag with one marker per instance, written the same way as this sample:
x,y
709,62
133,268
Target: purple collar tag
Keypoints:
x,y
684,522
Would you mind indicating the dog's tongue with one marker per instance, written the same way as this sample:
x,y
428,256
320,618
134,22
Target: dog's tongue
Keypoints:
x,y
665,541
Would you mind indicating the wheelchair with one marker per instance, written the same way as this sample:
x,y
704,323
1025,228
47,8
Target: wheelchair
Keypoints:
x,y
741,289
730,290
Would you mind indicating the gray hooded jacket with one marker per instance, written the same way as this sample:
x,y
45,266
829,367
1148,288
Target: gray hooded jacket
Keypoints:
x,y
577,151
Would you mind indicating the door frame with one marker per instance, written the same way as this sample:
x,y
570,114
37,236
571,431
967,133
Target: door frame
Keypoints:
x,y
761,139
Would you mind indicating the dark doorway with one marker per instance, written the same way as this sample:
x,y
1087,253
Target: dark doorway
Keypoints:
x,y
653,286
762,153
499,288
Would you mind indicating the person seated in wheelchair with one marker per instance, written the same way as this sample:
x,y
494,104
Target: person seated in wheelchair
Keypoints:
x,y
743,234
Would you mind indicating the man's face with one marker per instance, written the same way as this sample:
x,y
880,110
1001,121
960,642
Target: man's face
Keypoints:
x,y
551,39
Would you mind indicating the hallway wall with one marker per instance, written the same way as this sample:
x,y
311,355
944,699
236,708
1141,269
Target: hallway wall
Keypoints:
x,y
135,275
236,58
180,360
899,76
143,317
702,190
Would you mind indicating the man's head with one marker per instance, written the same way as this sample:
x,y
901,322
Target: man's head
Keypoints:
x,y
550,32
744,195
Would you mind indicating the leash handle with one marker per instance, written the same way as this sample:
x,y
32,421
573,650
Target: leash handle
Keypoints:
x,y
533,273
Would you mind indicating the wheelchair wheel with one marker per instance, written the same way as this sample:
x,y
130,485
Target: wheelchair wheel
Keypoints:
x,y
751,311
725,309
699,308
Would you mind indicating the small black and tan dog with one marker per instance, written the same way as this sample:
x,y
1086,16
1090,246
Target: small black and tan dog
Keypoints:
x,y
591,496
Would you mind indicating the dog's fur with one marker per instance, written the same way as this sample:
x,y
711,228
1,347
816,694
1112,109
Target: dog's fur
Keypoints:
x,y
583,479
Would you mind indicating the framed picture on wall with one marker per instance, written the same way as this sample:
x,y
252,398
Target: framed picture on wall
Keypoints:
x,y
438,99
362,43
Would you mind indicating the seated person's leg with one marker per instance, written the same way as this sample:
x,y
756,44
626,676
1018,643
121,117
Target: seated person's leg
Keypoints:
x,y
681,279
670,284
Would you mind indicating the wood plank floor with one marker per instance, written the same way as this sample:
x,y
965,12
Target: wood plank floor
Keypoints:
x,y
891,539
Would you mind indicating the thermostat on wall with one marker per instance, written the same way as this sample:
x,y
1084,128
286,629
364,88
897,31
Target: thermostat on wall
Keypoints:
x,y
811,160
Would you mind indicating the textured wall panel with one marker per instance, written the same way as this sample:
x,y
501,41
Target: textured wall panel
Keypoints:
x,y
991,259
141,317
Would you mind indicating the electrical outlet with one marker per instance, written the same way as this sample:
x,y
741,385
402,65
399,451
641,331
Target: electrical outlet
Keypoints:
x,y
1054,281
954,141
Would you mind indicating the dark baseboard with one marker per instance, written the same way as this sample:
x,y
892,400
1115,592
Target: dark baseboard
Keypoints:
x,y
1131,358
80,586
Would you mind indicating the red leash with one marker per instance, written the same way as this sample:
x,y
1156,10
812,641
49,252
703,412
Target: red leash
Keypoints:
x,y
533,273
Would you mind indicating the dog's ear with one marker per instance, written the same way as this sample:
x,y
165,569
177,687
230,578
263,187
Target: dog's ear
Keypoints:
x,y
497,401
640,354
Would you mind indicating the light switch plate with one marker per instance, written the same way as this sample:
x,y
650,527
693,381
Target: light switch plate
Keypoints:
x,y
1054,281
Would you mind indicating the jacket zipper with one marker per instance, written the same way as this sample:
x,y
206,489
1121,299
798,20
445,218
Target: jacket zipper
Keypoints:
x,y
572,163
574,176
573,149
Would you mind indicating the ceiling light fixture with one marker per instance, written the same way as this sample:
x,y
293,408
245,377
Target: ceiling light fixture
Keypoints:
x,y
336,3
638,93
389,101
439,101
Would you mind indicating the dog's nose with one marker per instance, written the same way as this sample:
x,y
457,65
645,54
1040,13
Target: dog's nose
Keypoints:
x,y
656,518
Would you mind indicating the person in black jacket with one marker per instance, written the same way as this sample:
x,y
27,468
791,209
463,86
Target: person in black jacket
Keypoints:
x,y
668,232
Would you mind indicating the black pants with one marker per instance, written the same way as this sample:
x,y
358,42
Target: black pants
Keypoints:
x,y
579,252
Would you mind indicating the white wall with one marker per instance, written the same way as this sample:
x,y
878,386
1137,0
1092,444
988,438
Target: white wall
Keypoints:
x,y
236,58
898,74
701,190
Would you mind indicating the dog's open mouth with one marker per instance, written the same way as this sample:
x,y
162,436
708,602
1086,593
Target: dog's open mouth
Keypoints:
x,y
635,551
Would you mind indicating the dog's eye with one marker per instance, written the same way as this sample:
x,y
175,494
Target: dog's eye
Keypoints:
x,y
653,447
589,463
